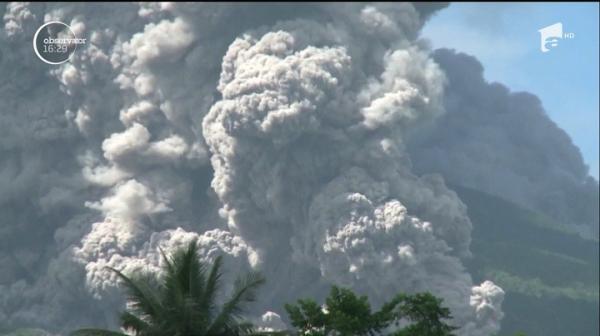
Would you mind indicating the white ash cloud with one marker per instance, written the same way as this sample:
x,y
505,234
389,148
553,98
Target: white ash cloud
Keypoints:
x,y
363,239
281,136
55,172
270,321
487,300
307,151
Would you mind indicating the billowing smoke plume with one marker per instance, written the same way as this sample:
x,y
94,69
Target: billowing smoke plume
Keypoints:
x,y
280,136
503,143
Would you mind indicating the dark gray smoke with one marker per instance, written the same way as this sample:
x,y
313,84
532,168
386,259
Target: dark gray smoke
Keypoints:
x,y
275,134
503,143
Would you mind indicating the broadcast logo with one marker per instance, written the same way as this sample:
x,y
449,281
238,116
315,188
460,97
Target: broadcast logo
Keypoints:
x,y
551,35
54,42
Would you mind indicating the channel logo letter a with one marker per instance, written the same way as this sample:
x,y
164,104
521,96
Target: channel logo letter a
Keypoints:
x,y
550,36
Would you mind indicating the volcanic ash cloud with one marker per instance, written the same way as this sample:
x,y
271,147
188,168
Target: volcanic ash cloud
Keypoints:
x,y
290,166
504,143
275,136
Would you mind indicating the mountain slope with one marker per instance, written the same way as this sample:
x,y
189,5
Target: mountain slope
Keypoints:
x,y
550,274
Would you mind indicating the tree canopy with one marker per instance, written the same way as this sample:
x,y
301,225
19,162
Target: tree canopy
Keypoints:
x,y
345,314
183,301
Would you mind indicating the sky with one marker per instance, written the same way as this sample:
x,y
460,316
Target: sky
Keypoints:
x,y
505,38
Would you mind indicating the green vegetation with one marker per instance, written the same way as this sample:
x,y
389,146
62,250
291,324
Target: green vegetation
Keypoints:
x,y
537,288
550,274
349,315
184,302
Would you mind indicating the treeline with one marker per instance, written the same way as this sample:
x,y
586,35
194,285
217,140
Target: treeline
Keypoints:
x,y
183,303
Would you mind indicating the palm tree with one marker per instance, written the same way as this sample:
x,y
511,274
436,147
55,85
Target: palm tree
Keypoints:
x,y
182,303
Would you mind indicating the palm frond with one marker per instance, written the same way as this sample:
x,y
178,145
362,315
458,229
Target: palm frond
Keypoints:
x,y
206,301
141,296
244,291
167,260
184,282
131,322
191,271
185,274
236,328
183,301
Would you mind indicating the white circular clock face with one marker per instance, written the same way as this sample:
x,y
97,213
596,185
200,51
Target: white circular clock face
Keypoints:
x,y
54,42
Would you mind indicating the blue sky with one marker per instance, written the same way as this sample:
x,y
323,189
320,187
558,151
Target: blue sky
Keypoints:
x,y
505,38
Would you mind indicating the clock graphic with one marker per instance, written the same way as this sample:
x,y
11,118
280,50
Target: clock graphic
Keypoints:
x,y
54,42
